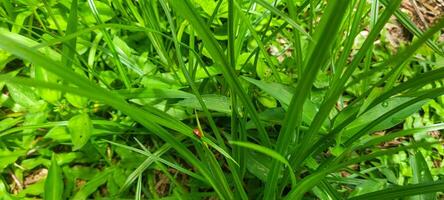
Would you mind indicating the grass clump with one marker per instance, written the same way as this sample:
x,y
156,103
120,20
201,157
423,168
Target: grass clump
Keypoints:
x,y
219,99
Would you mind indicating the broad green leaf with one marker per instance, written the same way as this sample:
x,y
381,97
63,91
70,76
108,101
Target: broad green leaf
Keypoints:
x,y
54,182
80,127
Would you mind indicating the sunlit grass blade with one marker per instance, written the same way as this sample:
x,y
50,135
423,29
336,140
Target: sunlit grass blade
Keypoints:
x,y
421,173
138,195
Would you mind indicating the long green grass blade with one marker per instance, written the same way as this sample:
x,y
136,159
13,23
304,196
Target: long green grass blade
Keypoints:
x,y
54,182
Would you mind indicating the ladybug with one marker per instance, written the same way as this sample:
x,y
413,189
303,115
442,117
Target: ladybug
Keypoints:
x,y
197,133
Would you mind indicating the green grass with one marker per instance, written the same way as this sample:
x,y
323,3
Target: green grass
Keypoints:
x,y
101,99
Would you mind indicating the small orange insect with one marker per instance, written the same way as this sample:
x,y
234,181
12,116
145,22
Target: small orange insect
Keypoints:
x,y
197,132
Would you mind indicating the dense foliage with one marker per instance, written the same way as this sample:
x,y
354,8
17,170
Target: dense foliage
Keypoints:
x,y
226,99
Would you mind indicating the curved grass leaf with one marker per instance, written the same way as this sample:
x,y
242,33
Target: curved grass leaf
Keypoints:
x,y
421,174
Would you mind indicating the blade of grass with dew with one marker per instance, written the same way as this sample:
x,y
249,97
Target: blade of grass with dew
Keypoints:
x,y
186,10
347,144
324,38
421,174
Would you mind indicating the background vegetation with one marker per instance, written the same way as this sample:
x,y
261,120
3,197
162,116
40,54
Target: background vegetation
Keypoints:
x,y
227,99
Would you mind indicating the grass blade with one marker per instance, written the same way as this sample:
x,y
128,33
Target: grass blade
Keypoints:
x,y
54,182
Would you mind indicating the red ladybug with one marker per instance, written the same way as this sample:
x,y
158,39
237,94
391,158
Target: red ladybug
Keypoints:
x,y
197,133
